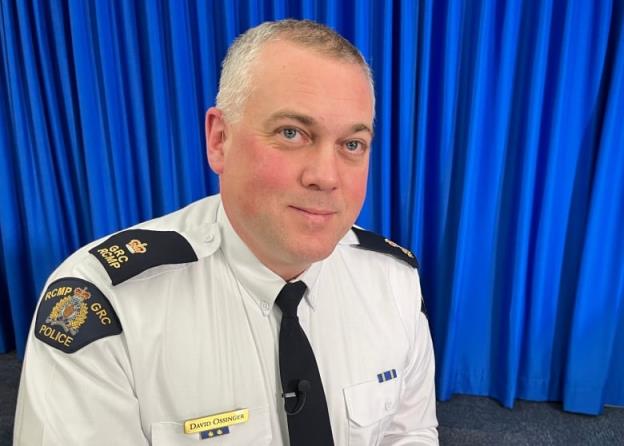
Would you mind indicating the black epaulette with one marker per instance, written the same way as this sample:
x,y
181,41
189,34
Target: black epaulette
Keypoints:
x,y
72,314
375,242
130,252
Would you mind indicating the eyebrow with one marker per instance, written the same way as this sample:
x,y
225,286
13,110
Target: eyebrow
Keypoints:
x,y
286,114
310,121
361,128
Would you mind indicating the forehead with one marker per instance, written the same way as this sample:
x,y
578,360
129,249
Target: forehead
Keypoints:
x,y
286,75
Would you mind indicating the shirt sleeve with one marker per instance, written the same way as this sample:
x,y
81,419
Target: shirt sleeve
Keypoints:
x,y
415,422
78,398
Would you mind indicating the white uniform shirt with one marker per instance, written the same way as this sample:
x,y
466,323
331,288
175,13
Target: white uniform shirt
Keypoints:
x,y
201,338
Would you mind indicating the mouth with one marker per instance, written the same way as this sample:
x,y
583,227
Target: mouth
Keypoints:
x,y
314,211
315,216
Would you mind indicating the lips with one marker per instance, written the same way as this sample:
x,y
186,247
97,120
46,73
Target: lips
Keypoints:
x,y
314,211
315,217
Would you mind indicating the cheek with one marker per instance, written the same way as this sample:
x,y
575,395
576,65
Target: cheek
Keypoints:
x,y
274,171
356,187
259,172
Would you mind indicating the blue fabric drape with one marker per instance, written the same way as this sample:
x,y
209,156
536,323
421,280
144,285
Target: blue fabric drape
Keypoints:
x,y
498,158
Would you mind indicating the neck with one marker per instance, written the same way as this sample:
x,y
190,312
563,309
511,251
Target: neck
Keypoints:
x,y
284,269
286,272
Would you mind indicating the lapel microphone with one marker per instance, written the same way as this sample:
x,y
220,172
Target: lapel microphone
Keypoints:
x,y
303,387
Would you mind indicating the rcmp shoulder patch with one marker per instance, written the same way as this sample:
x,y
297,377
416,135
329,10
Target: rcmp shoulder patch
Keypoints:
x,y
130,252
375,242
74,313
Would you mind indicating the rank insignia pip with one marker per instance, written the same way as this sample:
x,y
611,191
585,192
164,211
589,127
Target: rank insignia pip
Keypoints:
x,y
73,313
375,242
129,253
214,433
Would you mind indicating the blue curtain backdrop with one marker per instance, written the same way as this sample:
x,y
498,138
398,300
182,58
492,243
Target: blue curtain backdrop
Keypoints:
x,y
499,159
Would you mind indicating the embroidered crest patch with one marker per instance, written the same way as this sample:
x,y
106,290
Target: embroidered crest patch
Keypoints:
x,y
73,313
70,312
129,253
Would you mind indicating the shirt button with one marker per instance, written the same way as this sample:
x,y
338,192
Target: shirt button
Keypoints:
x,y
388,405
209,238
265,306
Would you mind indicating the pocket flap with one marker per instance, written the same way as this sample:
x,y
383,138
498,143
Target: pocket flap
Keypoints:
x,y
369,402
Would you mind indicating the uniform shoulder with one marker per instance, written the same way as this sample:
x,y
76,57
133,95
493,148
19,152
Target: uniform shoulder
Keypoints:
x,y
161,241
372,241
132,251
165,240
75,310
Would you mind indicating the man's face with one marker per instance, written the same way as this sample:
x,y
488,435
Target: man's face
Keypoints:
x,y
293,169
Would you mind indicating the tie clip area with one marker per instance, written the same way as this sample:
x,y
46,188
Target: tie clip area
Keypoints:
x,y
303,387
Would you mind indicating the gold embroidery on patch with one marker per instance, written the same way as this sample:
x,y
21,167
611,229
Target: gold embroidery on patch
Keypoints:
x,y
136,246
114,256
406,251
71,311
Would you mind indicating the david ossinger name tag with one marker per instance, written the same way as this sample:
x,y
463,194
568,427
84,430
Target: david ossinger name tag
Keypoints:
x,y
216,421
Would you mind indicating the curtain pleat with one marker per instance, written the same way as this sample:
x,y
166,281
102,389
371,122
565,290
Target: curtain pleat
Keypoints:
x,y
498,159
599,295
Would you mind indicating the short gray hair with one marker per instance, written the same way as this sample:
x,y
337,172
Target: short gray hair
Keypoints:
x,y
235,82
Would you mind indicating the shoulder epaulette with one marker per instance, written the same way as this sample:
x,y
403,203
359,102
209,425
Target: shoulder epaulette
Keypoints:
x,y
375,242
73,313
130,252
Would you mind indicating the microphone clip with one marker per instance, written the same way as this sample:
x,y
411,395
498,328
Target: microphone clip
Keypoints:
x,y
303,387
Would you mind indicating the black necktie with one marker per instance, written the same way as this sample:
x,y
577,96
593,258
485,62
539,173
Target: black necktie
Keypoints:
x,y
305,404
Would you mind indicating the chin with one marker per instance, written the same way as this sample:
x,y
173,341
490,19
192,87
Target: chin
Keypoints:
x,y
312,247
313,254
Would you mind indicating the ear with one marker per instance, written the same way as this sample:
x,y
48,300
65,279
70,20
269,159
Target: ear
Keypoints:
x,y
215,139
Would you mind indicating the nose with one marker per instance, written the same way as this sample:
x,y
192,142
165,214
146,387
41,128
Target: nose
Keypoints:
x,y
321,169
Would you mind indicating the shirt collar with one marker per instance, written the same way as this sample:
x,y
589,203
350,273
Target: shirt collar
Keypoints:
x,y
261,283
310,277
312,274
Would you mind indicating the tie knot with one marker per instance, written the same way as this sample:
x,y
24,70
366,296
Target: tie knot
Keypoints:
x,y
289,297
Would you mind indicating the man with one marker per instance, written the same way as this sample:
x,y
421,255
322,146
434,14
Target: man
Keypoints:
x,y
193,326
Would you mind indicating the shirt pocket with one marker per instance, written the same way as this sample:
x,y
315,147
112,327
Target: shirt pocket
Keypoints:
x,y
256,430
369,406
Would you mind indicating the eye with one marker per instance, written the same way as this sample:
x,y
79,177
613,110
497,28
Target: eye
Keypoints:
x,y
293,135
354,145
289,133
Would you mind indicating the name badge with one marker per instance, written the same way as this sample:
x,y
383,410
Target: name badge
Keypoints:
x,y
216,421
